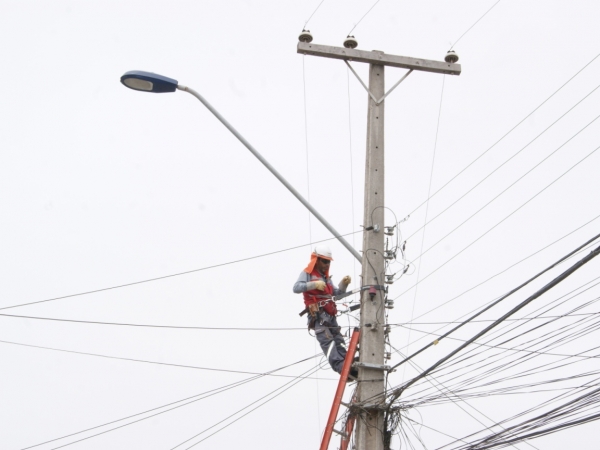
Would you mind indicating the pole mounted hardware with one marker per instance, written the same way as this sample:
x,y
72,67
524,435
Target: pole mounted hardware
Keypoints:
x,y
350,42
380,58
305,36
371,366
451,57
372,315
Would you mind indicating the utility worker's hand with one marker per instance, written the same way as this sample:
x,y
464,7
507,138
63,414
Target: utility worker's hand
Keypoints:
x,y
347,280
313,309
320,285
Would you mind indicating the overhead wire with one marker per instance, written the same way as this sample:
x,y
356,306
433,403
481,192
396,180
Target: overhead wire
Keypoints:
x,y
469,354
139,325
313,13
437,129
306,144
513,156
573,389
504,366
431,381
405,324
504,219
521,305
487,304
509,186
475,23
272,396
121,426
217,390
507,268
506,134
211,369
502,298
364,15
149,280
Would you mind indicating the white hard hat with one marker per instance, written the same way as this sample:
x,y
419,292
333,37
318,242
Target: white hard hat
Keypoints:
x,y
323,251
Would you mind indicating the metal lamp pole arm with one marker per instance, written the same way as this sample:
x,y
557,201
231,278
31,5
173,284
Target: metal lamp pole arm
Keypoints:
x,y
296,194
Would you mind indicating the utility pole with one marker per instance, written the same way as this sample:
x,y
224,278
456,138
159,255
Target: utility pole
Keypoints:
x,y
370,425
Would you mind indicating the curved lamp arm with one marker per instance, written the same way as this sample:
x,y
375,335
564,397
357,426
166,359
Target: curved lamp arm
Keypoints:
x,y
296,194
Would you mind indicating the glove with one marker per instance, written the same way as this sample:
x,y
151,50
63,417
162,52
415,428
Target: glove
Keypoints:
x,y
319,284
346,280
313,309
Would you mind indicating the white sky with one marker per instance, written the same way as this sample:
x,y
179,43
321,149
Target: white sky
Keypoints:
x,y
102,186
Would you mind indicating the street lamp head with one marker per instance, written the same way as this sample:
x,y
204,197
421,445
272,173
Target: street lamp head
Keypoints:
x,y
138,80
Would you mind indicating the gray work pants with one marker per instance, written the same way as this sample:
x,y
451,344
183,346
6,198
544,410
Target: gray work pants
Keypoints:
x,y
331,340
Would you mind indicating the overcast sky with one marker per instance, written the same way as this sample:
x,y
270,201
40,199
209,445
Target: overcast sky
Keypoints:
x,y
102,186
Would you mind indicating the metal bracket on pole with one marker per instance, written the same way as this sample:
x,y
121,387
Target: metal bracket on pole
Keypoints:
x,y
377,102
371,366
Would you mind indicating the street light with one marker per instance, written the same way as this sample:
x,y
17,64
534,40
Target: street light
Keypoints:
x,y
139,80
151,82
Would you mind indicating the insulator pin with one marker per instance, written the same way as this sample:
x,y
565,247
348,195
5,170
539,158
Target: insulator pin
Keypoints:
x,y
305,36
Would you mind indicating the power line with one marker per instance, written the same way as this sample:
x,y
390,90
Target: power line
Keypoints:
x,y
437,129
476,22
172,275
501,332
365,15
511,349
405,324
152,362
192,398
289,385
176,327
510,186
508,294
511,158
316,9
509,267
507,133
521,305
474,310
504,219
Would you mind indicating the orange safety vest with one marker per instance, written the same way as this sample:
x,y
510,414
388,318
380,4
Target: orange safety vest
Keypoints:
x,y
315,295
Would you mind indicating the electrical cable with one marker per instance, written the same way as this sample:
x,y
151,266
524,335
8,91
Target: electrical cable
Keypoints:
x,y
508,268
506,134
148,362
504,219
316,9
220,389
176,327
365,15
508,294
476,22
405,324
437,129
505,189
174,274
538,293
139,420
289,385
306,143
504,366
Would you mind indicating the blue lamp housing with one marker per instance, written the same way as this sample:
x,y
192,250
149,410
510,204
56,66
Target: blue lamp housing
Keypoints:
x,y
138,80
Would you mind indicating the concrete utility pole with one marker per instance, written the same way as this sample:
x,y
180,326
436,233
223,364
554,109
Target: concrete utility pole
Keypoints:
x,y
370,425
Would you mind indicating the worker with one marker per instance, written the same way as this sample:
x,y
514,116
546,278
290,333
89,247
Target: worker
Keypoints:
x,y
315,284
